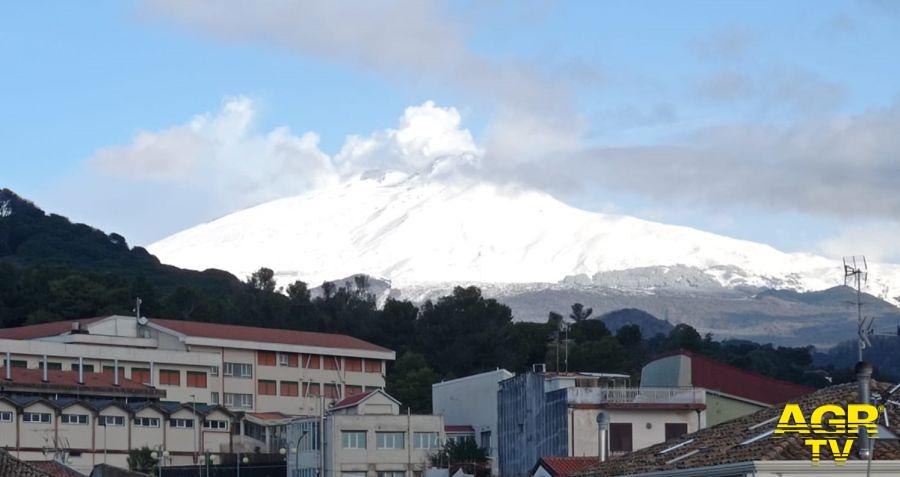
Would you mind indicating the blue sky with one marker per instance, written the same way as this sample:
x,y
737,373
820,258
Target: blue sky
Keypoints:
x,y
771,121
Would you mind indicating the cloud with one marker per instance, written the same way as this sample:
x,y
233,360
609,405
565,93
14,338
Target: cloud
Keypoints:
x,y
877,241
786,89
407,40
224,159
840,167
724,44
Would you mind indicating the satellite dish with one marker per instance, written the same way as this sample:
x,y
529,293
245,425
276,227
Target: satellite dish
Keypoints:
x,y
143,321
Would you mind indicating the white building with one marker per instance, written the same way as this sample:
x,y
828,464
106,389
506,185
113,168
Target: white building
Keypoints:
x,y
364,436
472,401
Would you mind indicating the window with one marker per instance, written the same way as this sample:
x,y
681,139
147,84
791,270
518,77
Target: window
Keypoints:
x,y
17,363
353,439
54,366
311,361
350,390
353,364
169,377
287,359
73,419
109,370
213,370
239,370
332,362
146,422
181,423
391,473
425,440
675,430
310,389
5,416
332,391
41,417
265,358
486,441
214,397
289,388
141,375
216,425
243,401
373,366
389,440
196,379
352,474
112,421
88,368
620,437
266,387
310,432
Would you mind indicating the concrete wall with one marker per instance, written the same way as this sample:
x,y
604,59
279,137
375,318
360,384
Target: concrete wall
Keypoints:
x,y
472,401
668,372
648,427
721,408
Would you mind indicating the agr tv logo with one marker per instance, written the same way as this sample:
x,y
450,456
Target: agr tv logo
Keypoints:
x,y
826,425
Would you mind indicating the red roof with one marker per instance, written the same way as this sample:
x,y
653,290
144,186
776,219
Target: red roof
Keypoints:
x,y
210,330
565,466
714,375
24,376
455,429
55,469
353,400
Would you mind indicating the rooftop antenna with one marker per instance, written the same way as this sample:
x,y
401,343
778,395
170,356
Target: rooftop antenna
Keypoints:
x,y
856,274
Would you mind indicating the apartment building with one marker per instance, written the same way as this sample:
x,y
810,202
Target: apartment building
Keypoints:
x,y
86,419
243,368
469,407
364,436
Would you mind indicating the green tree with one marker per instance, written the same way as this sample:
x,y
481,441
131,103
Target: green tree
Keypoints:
x,y
141,460
262,280
464,454
580,313
410,382
588,330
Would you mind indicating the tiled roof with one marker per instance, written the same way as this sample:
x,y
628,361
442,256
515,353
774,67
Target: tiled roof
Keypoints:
x,y
69,379
711,374
43,330
12,467
455,429
725,443
51,467
268,416
566,466
210,330
353,400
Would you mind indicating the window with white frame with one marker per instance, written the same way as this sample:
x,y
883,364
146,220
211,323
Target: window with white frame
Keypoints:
x,y
425,440
112,421
236,400
181,423
216,424
146,422
390,440
391,473
283,359
36,417
73,419
353,439
213,370
6,416
238,370
214,397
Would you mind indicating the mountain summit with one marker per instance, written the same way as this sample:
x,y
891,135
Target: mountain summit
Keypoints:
x,y
434,227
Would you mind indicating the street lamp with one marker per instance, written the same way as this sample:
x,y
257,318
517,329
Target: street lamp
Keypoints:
x,y
296,451
160,458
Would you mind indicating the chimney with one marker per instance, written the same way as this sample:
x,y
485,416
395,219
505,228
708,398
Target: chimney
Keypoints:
x,y
8,366
863,375
80,370
602,436
45,378
115,372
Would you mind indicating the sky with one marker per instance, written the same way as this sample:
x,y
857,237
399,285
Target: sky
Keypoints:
x,y
772,121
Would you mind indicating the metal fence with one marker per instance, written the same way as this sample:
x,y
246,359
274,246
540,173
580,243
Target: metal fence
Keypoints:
x,y
688,395
245,470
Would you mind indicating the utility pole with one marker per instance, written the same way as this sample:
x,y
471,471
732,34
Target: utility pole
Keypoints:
x,y
856,271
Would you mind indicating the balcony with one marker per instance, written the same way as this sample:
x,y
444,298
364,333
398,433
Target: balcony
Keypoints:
x,y
645,395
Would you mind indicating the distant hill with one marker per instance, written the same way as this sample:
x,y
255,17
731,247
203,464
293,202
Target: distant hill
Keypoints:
x,y
649,324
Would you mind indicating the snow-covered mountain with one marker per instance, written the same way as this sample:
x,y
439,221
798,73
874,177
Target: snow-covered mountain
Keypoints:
x,y
426,230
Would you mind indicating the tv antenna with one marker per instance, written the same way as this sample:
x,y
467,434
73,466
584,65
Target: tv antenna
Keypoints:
x,y
856,274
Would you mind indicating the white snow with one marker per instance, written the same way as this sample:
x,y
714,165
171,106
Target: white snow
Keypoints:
x,y
417,229
5,208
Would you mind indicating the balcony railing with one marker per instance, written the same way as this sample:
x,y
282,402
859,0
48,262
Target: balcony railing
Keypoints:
x,y
675,395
